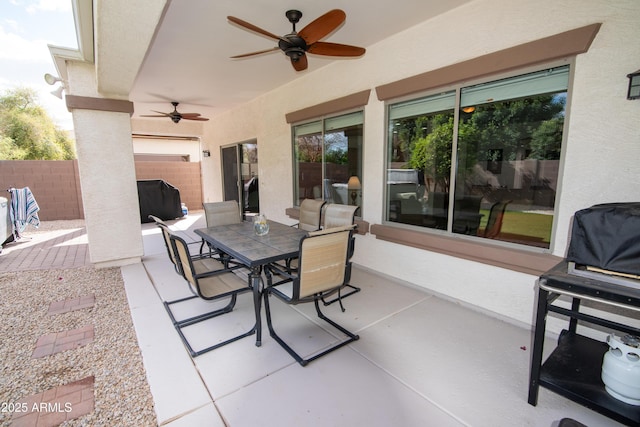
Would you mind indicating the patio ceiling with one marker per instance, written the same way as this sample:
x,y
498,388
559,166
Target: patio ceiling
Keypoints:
x,y
189,58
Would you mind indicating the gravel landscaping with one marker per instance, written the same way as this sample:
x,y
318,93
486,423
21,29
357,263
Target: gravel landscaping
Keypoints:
x,y
113,358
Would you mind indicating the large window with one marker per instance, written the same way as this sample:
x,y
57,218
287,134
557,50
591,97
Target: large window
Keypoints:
x,y
328,159
480,160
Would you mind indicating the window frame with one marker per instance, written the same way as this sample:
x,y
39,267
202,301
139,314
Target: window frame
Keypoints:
x,y
512,256
457,87
563,46
323,119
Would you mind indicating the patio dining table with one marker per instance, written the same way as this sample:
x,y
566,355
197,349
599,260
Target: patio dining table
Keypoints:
x,y
241,243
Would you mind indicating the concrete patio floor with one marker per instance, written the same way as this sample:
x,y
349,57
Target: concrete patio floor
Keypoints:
x,y
420,361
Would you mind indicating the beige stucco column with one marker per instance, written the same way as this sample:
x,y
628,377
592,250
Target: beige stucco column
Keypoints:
x,y
107,171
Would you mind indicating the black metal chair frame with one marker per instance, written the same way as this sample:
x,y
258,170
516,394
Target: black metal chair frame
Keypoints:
x,y
166,235
354,289
272,289
197,293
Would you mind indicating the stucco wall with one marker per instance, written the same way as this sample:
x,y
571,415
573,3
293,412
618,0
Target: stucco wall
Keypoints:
x,y
600,155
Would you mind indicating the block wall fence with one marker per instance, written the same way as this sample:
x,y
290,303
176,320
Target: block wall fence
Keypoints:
x,y
56,183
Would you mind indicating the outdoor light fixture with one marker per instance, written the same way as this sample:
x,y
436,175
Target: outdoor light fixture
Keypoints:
x,y
634,85
58,92
51,79
206,153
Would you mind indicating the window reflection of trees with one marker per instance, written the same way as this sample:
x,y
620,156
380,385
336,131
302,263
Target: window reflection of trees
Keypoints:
x,y
513,130
505,150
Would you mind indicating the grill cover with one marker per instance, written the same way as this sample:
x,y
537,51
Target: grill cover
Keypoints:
x,y
158,198
607,236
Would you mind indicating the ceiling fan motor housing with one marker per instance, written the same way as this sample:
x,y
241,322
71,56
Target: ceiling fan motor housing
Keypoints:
x,y
293,46
175,116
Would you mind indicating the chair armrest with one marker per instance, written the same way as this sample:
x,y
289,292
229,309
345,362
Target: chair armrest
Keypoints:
x,y
217,272
279,271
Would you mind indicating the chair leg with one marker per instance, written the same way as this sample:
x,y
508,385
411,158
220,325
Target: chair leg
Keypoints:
x,y
303,362
275,336
213,347
340,297
179,324
354,290
200,317
351,335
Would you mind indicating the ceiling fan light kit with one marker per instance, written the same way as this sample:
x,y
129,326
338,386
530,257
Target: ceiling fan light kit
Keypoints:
x,y
297,44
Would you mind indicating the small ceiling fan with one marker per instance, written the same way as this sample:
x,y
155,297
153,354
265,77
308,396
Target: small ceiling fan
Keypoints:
x,y
175,116
296,44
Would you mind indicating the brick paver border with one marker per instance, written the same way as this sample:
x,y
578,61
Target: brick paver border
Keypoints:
x,y
56,405
47,251
71,304
62,341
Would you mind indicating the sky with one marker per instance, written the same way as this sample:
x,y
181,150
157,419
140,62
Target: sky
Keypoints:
x,y
26,28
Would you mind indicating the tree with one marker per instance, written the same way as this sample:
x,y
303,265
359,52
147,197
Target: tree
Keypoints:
x,y
500,131
532,125
27,132
432,153
309,148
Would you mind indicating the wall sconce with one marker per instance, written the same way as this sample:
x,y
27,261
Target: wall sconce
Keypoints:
x,y
354,185
206,153
51,79
634,85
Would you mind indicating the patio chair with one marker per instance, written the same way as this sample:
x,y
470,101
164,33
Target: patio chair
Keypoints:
x,y
324,270
220,213
157,220
201,262
309,220
210,285
336,215
160,222
310,214
165,236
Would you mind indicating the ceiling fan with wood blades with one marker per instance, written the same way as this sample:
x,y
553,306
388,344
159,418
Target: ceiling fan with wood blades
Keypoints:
x,y
297,44
176,116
